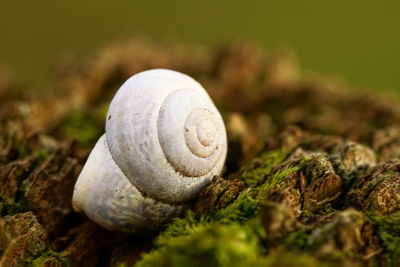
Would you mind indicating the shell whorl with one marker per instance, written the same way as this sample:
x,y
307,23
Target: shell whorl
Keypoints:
x,y
188,130
166,135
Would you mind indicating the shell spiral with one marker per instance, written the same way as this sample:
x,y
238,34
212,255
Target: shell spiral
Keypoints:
x,y
165,140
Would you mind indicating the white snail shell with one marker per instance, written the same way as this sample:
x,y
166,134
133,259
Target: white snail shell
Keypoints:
x,y
164,142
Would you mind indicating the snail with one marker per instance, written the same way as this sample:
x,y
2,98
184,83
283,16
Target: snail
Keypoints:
x,y
164,142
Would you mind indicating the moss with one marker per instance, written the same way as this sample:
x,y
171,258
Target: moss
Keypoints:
x,y
229,236
185,225
257,171
217,244
243,208
48,258
212,244
392,246
388,229
287,259
274,179
11,208
389,223
248,202
21,151
41,155
80,126
297,240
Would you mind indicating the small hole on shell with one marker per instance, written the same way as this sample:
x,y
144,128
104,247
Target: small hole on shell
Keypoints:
x,y
109,117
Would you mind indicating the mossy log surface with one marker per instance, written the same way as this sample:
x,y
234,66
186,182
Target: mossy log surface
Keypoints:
x,y
312,176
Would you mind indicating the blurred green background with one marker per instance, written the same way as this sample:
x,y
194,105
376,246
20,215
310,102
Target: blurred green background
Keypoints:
x,y
356,39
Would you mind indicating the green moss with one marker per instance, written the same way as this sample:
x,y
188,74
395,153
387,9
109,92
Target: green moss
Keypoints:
x,y
212,244
21,151
287,259
217,244
41,155
229,236
80,126
274,179
389,223
388,229
392,245
46,257
243,208
225,237
297,240
11,208
185,225
257,171
248,202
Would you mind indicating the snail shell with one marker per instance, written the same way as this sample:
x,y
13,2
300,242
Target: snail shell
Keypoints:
x,y
164,142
